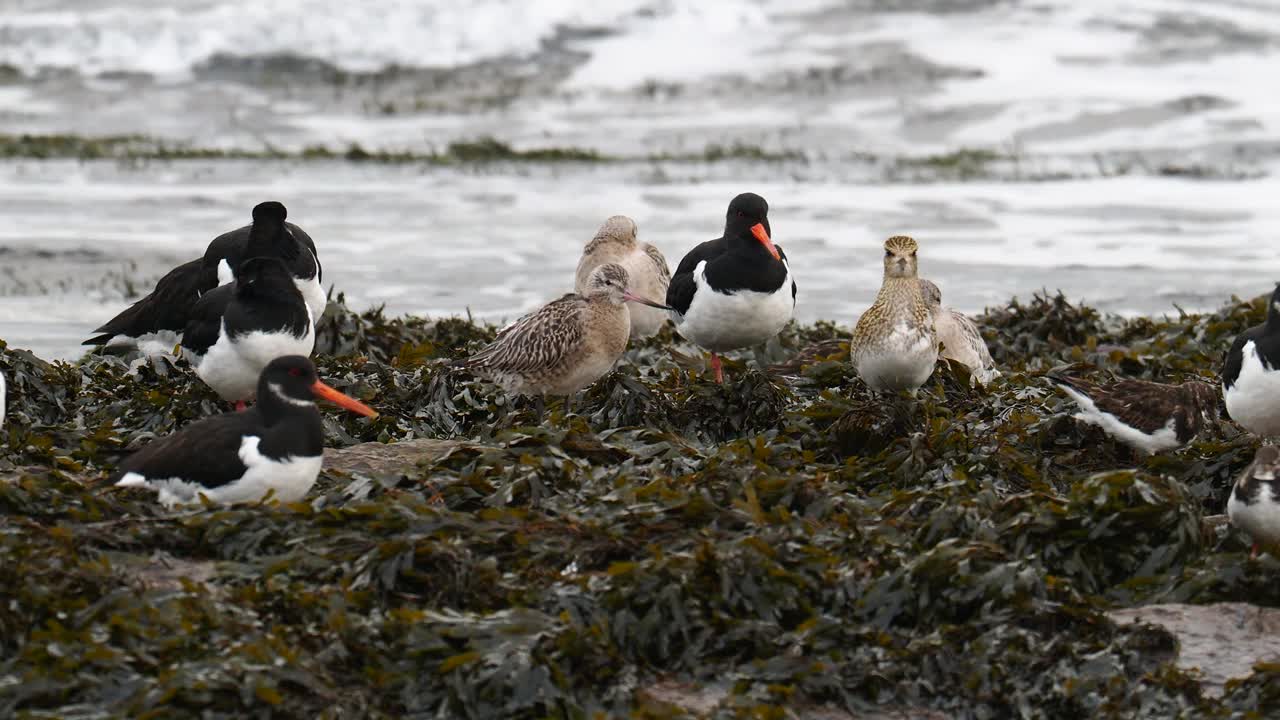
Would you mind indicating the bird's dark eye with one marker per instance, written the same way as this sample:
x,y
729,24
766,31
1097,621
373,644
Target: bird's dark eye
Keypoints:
x,y
741,214
296,372
887,253
913,253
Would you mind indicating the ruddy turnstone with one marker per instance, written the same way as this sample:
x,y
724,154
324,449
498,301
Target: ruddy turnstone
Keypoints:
x,y
615,242
1255,500
1251,375
275,446
958,337
894,344
565,345
162,314
735,291
1150,417
236,330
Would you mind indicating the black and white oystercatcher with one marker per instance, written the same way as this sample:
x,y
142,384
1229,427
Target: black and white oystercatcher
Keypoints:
x,y
276,446
165,311
1251,375
1148,416
236,330
735,291
1255,500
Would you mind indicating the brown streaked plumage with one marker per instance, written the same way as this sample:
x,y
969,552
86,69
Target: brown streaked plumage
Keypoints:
x,y
1148,416
894,344
1254,505
958,336
565,345
615,242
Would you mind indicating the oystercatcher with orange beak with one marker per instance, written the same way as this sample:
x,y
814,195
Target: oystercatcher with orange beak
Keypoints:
x,y
735,291
274,447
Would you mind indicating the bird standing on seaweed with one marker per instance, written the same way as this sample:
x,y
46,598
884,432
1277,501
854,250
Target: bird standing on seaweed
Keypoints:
x,y
565,345
895,345
735,291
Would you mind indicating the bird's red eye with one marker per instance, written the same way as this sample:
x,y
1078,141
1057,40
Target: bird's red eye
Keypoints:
x,y
296,372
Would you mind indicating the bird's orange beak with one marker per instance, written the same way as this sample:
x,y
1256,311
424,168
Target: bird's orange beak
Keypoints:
x,y
763,236
325,392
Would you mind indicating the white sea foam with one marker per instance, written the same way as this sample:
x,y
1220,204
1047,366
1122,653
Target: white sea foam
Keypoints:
x,y
169,38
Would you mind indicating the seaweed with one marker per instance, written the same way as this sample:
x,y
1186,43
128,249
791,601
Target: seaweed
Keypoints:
x,y
784,543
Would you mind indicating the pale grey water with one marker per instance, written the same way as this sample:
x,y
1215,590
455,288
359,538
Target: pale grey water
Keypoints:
x,y
1141,147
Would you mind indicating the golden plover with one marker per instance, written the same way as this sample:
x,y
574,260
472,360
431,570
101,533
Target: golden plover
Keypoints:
x,y
894,344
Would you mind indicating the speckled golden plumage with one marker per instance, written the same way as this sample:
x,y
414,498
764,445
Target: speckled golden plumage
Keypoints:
x,y
894,344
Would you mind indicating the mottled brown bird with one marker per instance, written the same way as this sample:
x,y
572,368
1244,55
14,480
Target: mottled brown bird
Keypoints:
x,y
565,345
894,344
958,336
616,242
1148,416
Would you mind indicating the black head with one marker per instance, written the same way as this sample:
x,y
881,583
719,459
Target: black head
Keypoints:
x,y
257,272
746,224
290,377
270,212
268,234
291,381
1273,309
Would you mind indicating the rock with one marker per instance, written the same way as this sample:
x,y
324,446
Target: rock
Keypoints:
x,y
703,700
1222,641
380,460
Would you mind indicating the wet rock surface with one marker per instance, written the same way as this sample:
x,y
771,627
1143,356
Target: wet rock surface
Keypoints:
x,y
1221,642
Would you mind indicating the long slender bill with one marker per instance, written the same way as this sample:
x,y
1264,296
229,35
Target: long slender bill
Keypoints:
x,y
628,295
325,392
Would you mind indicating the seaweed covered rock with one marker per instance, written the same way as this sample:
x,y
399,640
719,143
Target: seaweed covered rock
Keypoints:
x,y
788,543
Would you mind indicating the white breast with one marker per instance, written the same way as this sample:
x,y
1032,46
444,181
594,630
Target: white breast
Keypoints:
x,y
1254,399
902,360
1261,519
721,322
232,369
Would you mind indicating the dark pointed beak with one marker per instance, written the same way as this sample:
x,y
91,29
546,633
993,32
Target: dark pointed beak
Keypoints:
x,y
325,392
763,236
632,297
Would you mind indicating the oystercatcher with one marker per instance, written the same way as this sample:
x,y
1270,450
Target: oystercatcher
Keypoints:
x,y
1251,375
236,330
1148,416
895,345
275,446
615,242
565,345
165,311
958,336
1255,500
735,291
